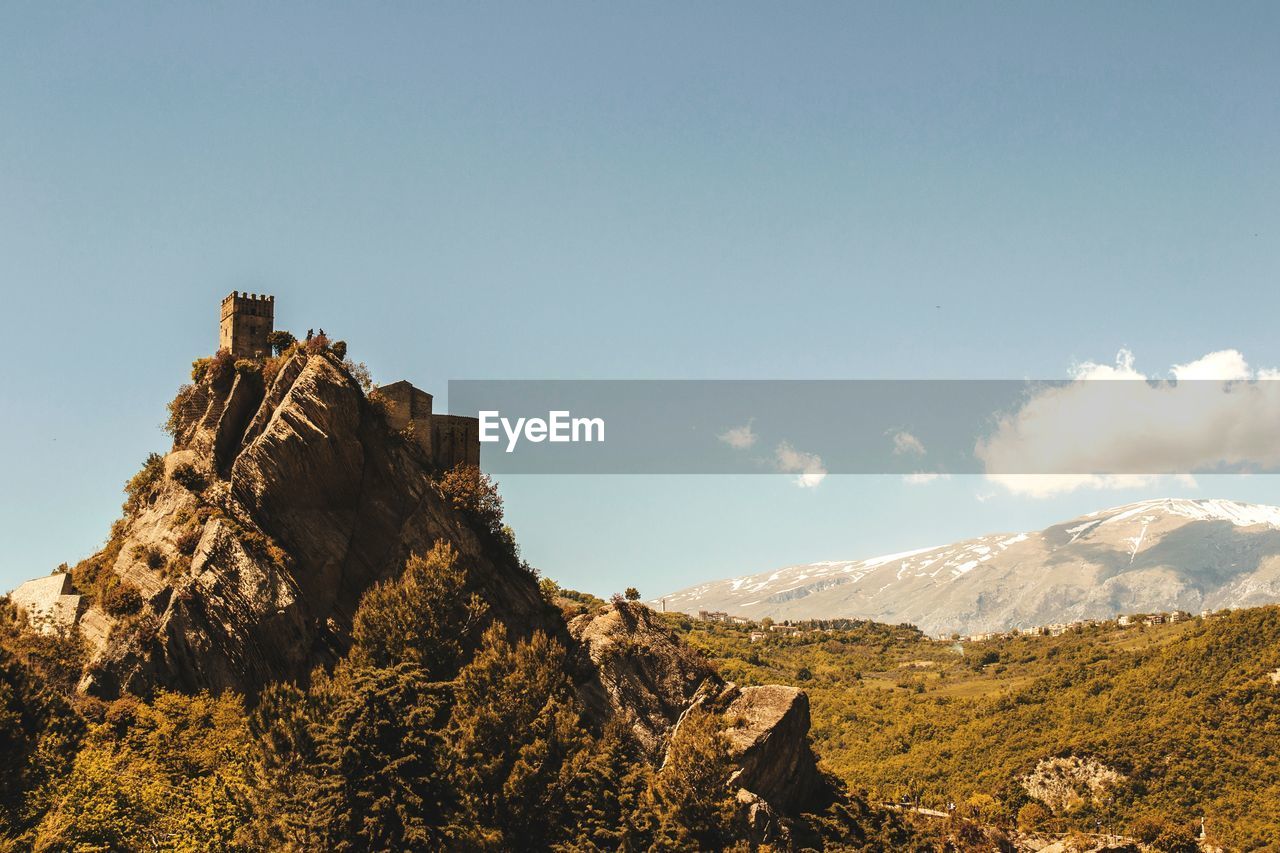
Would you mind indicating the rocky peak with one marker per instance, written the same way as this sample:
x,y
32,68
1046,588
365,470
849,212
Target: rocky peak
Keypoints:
x,y
281,502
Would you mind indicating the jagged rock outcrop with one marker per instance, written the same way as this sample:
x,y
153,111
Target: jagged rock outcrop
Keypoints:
x,y
647,675
642,671
304,498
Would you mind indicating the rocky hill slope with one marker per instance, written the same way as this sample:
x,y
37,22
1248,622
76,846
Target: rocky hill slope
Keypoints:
x,y
251,543
1157,555
243,553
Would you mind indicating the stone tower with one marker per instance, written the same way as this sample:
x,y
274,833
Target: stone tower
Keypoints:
x,y
247,319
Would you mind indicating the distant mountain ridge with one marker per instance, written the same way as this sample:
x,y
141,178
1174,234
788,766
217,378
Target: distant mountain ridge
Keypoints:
x,y
1163,554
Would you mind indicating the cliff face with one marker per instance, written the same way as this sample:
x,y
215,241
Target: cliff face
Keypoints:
x,y
298,498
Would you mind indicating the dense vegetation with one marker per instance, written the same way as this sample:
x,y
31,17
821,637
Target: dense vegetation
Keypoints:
x,y
1186,713
435,732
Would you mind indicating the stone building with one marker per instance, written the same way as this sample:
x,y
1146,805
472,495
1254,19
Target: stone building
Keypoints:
x,y
50,602
247,320
448,440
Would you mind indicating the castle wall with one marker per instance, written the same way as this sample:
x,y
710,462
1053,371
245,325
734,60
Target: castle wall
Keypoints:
x,y
455,440
247,320
405,403
448,440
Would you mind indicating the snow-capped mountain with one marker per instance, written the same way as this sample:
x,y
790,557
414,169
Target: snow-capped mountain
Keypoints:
x,y
1158,555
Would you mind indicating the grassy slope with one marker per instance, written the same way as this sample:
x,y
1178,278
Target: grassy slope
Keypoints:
x,y
1186,711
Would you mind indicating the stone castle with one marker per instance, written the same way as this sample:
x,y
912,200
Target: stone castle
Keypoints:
x,y
247,321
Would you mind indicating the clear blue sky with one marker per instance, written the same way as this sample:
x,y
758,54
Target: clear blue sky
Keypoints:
x,y
558,190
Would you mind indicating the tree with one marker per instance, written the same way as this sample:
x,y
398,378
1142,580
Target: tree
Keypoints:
x,y
173,772
1033,817
1164,835
379,750
983,808
38,735
632,594
516,741
279,341
473,492
691,799
608,793
424,617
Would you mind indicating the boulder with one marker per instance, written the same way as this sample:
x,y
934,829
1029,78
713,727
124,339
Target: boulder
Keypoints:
x,y
768,731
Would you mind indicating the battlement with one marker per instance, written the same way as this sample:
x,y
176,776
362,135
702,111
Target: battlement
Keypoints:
x,y
247,319
250,303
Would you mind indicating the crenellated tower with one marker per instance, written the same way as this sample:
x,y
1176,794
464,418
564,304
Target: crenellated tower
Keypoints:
x,y
247,320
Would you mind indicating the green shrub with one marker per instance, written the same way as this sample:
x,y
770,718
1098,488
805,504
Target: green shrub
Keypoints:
x,y
217,368
178,414
360,373
152,557
188,539
121,598
141,487
280,341
189,477
470,490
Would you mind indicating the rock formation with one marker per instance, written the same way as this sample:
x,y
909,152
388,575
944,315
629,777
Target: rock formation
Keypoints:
x,y
647,675
297,497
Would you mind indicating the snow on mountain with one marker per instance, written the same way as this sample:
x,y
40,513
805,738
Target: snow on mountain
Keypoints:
x,y
1154,555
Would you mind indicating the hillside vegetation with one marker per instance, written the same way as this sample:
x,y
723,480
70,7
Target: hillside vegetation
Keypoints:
x,y
304,635
1157,724
412,742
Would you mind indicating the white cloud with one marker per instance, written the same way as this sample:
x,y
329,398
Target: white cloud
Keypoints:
x,y
1048,485
1123,368
807,467
922,478
739,438
1103,435
905,442
1225,364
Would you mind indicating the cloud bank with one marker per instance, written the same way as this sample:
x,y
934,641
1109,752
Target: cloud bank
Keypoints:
x,y
1117,435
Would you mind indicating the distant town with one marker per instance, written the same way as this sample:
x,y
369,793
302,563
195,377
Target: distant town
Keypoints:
x,y
762,628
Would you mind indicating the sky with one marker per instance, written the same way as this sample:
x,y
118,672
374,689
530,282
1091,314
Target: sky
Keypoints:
x,y
667,191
